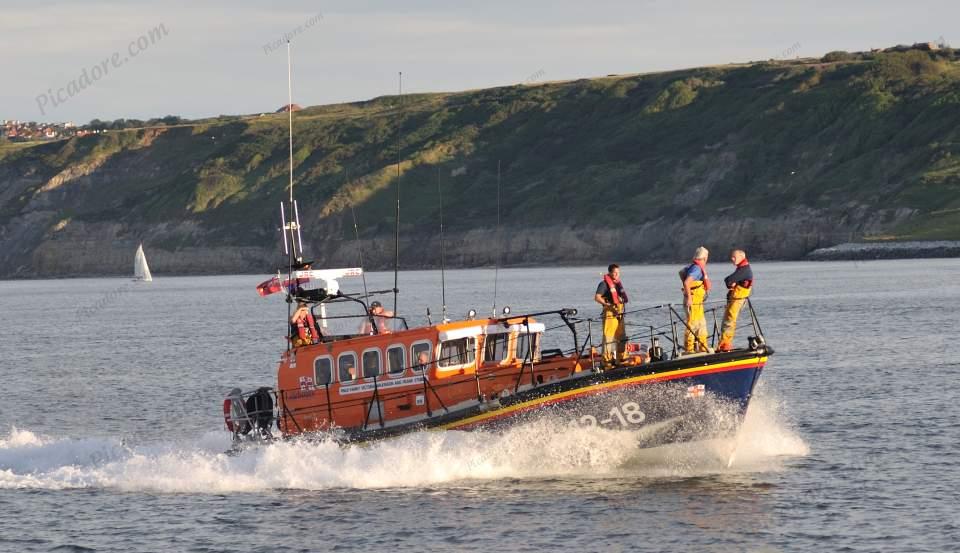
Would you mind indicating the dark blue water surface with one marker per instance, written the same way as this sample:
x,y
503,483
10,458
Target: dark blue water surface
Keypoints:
x,y
111,436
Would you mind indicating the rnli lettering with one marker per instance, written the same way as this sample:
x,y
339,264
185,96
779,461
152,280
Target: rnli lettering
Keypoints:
x,y
381,385
628,414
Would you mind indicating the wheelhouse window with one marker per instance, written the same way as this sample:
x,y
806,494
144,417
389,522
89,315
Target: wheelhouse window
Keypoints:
x,y
371,363
496,347
347,367
422,354
524,342
457,352
395,360
322,371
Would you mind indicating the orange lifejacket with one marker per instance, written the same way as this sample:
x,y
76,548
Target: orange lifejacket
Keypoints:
x,y
616,289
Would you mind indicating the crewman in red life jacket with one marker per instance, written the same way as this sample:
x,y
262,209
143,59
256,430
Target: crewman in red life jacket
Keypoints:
x,y
696,285
613,297
739,285
303,328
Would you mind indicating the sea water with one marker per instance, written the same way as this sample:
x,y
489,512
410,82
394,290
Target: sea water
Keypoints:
x,y
111,440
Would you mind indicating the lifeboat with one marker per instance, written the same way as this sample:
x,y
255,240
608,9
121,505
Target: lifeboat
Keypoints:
x,y
353,374
387,378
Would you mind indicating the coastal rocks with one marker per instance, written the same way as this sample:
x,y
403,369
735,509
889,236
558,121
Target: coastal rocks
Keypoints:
x,y
886,250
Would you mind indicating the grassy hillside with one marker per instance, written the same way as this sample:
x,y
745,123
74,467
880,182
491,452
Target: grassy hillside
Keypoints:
x,y
845,139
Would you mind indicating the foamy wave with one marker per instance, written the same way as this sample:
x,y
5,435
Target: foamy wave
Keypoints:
x,y
539,449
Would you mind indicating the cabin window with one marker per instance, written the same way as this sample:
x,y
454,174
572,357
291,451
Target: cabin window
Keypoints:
x,y
422,354
371,363
347,367
495,347
395,360
457,352
322,371
523,346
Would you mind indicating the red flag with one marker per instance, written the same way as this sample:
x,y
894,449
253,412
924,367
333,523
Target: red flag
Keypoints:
x,y
268,287
273,285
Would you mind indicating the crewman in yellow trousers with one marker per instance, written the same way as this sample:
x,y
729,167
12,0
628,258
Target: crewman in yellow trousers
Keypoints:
x,y
739,284
612,296
696,286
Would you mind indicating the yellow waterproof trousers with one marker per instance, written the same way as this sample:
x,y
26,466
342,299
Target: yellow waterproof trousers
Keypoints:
x,y
697,339
614,334
735,301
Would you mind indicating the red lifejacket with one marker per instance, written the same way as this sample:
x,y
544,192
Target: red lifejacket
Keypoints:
x,y
703,269
306,327
615,287
748,282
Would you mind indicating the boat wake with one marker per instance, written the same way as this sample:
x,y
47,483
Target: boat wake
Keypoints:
x,y
536,450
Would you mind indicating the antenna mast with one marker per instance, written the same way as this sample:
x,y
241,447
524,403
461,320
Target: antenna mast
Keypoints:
x,y
396,258
496,266
293,226
294,216
443,281
356,233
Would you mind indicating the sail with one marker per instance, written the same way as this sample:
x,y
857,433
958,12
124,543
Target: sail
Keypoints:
x,y
141,271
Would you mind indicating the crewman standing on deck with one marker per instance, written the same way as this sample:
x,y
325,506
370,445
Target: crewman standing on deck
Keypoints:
x,y
739,284
612,296
696,286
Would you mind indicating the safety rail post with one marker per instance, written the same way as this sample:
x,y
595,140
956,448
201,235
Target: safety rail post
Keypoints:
x,y
673,328
753,319
715,334
426,396
530,345
375,400
326,388
289,413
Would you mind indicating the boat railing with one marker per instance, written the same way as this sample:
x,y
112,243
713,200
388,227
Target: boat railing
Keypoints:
x,y
667,323
661,322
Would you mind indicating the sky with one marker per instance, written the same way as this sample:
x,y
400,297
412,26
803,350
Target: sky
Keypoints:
x,y
80,59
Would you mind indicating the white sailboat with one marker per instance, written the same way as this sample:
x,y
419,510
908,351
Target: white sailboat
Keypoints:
x,y
141,271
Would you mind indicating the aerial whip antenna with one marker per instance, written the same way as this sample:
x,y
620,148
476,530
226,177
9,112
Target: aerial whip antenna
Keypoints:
x,y
293,225
356,234
443,282
496,265
396,257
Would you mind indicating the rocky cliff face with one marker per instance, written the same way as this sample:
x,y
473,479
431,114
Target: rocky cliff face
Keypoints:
x,y
780,159
81,249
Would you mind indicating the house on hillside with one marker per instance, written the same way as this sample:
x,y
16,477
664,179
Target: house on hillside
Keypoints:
x,y
288,107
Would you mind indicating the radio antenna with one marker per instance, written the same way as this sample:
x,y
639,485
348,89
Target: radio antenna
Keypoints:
x,y
356,234
396,257
293,226
496,265
443,281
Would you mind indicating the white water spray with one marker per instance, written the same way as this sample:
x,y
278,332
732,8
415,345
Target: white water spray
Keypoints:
x,y
536,450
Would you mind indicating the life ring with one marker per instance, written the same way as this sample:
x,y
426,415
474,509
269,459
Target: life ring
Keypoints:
x,y
226,414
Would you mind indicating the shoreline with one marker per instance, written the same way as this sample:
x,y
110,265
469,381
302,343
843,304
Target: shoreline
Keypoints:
x,y
850,251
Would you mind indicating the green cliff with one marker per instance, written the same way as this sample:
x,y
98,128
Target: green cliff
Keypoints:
x,y
779,157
